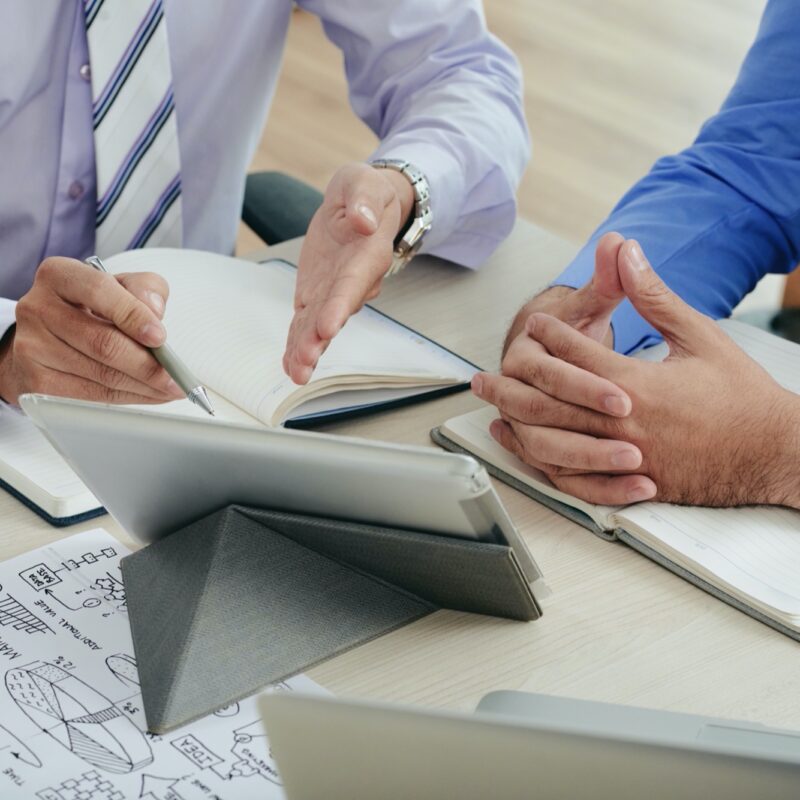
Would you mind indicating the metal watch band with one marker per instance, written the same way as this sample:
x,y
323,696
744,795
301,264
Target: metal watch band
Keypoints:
x,y
410,238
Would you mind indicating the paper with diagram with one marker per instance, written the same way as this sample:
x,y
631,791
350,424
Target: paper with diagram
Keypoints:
x,y
71,719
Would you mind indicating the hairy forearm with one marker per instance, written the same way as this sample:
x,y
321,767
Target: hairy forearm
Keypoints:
x,y
544,302
785,456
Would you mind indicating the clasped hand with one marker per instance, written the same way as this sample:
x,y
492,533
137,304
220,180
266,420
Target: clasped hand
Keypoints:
x,y
706,426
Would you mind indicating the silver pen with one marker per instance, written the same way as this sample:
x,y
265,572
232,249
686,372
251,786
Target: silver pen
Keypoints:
x,y
176,369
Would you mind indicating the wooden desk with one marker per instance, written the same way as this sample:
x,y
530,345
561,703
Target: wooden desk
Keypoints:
x,y
618,627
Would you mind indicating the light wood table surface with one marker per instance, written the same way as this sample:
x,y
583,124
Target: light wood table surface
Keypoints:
x,y
618,627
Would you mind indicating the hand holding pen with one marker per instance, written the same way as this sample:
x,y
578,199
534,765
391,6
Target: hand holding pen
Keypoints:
x,y
168,359
82,334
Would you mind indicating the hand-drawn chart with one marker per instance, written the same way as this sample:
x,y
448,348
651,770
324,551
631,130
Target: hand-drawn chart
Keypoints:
x,y
18,617
250,748
250,751
230,710
155,788
112,589
90,786
42,578
78,717
123,668
72,720
11,744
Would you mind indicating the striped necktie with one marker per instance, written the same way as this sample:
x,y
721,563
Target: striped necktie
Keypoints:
x,y
135,133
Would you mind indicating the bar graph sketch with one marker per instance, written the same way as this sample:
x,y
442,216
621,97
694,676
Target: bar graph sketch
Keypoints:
x,y
16,616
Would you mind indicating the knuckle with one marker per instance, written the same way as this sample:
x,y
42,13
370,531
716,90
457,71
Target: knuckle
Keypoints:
x,y
107,376
133,317
24,347
110,395
105,344
534,405
569,459
26,310
656,293
95,287
562,348
48,268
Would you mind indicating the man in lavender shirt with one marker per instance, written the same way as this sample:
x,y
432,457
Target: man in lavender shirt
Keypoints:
x,y
425,75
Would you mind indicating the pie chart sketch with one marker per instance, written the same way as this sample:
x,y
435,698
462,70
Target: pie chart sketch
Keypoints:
x,y
78,717
123,667
10,743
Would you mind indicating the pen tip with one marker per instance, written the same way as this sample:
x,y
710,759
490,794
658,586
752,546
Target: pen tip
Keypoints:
x,y
199,397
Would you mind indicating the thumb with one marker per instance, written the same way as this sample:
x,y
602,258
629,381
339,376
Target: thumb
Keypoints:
x,y
364,201
679,324
148,287
589,309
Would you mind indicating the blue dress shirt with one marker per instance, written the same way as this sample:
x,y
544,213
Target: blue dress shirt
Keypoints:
x,y
425,75
717,217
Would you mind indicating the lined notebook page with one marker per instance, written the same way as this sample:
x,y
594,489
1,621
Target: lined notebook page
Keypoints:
x,y
779,357
753,552
30,464
228,319
471,431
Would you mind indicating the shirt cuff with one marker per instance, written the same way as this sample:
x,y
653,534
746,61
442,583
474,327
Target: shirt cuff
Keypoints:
x,y
444,178
453,235
631,332
7,315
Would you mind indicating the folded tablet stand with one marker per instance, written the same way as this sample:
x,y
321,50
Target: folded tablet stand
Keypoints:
x,y
246,597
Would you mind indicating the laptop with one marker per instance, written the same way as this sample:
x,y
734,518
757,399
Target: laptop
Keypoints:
x,y
521,745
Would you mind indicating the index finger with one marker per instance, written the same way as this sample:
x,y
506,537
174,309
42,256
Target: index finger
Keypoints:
x,y
564,381
81,285
563,342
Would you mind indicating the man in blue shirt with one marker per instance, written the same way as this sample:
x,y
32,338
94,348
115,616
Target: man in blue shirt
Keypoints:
x,y
708,426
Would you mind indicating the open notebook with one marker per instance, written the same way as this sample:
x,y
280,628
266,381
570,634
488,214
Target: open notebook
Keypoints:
x,y
227,319
748,557
32,471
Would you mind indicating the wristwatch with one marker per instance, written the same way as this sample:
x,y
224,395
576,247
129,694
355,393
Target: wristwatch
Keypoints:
x,y
409,239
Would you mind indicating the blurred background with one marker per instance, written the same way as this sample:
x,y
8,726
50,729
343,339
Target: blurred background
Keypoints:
x,y
609,87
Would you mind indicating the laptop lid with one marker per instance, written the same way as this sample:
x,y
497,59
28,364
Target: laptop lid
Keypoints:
x,y
341,750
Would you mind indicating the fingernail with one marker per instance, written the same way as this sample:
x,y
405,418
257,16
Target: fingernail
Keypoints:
x,y
153,335
639,493
477,384
636,257
626,459
494,427
530,324
156,302
617,405
367,213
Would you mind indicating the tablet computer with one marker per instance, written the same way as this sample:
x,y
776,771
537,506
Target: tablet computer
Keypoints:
x,y
156,473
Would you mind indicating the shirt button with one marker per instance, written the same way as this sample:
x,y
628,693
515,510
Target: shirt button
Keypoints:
x,y
76,190
85,72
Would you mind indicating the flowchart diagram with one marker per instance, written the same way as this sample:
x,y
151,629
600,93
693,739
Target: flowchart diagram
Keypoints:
x,y
72,724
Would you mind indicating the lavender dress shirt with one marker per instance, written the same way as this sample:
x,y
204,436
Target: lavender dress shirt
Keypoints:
x,y
426,76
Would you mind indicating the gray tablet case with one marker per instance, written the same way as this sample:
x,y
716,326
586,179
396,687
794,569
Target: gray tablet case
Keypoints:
x,y
246,597
617,535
